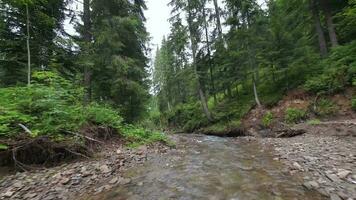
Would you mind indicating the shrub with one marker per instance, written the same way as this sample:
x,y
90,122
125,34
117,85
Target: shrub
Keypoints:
x,y
339,72
314,122
52,106
325,107
267,119
353,104
294,115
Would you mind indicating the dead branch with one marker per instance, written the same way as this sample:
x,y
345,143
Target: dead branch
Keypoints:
x,y
25,129
86,137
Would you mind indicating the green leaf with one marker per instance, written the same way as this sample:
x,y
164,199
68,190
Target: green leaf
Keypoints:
x,y
3,147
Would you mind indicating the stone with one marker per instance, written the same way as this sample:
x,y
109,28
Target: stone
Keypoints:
x,y
30,195
335,197
105,169
125,181
343,173
333,178
8,194
65,181
114,180
118,151
311,185
297,166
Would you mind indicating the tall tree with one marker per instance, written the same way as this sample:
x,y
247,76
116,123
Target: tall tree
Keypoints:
x,y
87,38
318,28
325,4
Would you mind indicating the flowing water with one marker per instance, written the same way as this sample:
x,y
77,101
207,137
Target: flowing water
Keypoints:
x,y
207,167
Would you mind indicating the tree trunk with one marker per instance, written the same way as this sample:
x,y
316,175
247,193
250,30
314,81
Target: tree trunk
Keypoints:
x,y
194,49
87,38
217,16
209,55
321,38
255,91
28,47
329,22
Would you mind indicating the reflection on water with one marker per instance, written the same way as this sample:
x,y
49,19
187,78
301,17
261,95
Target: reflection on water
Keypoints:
x,y
207,167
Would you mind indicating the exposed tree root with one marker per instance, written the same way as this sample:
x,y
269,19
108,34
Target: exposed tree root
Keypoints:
x,y
27,153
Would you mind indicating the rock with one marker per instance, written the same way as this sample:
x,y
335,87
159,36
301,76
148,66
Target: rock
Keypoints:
x,y
114,180
297,166
105,169
343,173
333,178
8,194
311,185
17,184
335,197
65,181
140,183
118,151
30,195
125,181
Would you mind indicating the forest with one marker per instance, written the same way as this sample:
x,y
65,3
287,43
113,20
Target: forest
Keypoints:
x,y
210,72
93,100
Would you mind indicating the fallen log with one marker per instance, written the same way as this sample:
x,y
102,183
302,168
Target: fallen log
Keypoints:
x,y
287,133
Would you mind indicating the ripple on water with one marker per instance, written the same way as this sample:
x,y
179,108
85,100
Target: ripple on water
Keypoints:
x,y
211,168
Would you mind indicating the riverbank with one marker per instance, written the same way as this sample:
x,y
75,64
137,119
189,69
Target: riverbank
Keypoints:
x,y
68,181
325,156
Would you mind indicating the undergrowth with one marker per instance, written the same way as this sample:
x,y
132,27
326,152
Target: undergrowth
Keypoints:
x,y
53,107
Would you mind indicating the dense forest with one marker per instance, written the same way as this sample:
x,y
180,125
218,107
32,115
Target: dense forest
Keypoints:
x,y
221,60
242,99
63,87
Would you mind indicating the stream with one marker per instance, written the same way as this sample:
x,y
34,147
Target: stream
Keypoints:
x,y
214,168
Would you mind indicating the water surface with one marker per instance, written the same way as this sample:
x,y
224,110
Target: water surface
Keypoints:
x,y
211,168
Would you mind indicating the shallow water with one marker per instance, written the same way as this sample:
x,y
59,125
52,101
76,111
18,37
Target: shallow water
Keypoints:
x,y
207,167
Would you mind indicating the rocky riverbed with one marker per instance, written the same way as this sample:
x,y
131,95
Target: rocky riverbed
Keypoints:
x,y
327,162
70,181
317,165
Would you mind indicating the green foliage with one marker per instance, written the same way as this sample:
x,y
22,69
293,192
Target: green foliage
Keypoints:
x,y
51,106
353,104
340,71
138,136
325,107
314,122
3,147
294,115
267,119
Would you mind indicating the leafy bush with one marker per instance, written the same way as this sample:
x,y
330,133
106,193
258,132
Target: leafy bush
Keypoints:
x,y
353,104
325,107
294,115
314,122
138,136
52,106
267,119
339,72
